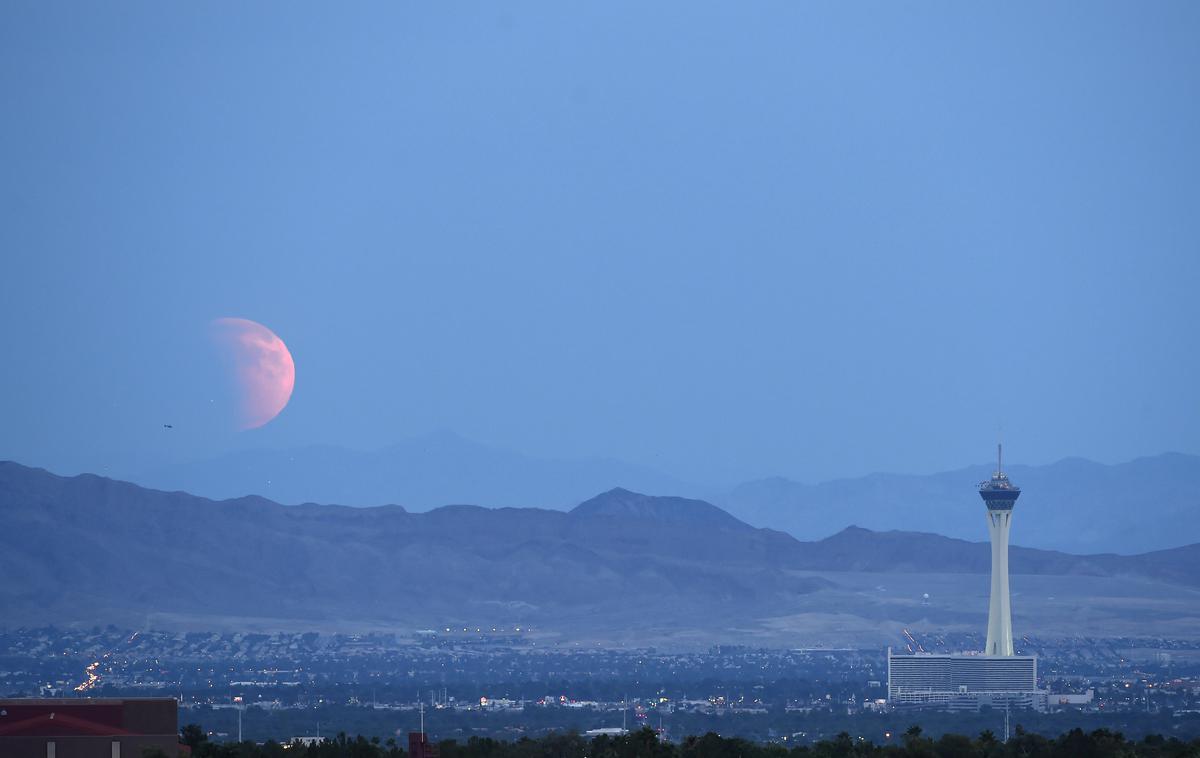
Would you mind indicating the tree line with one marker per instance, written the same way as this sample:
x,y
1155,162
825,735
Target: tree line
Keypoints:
x,y
644,743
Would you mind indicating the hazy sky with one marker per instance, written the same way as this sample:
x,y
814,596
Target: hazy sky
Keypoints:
x,y
727,240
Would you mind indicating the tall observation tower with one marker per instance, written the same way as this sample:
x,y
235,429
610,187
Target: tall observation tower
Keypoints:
x,y
997,678
999,494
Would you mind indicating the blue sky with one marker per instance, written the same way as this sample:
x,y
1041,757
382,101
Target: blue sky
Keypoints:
x,y
726,240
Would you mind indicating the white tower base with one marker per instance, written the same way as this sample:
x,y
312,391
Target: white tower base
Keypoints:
x,y
999,634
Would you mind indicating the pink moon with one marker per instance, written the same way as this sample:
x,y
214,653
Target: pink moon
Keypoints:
x,y
262,366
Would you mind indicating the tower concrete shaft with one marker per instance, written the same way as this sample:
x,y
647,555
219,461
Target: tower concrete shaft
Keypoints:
x,y
1000,495
999,632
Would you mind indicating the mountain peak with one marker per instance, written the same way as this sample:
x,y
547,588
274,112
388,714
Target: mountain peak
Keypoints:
x,y
622,503
855,529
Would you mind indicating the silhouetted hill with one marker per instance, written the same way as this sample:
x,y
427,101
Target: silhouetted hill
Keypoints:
x,y
677,511
621,566
1074,505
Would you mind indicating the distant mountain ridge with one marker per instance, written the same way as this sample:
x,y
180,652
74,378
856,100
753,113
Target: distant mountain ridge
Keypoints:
x,y
621,567
420,473
621,503
1073,505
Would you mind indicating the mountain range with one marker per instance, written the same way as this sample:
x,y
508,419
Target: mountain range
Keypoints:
x,y
619,568
1072,505
420,473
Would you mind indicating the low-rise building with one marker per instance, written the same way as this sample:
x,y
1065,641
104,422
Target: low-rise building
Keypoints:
x,y
86,727
963,682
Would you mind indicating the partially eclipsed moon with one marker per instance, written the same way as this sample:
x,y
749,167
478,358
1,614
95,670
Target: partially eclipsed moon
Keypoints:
x,y
262,367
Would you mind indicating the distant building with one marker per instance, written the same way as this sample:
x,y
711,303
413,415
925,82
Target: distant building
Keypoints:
x,y
997,678
82,727
963,682
1073,698
607,731
305,741
1000,495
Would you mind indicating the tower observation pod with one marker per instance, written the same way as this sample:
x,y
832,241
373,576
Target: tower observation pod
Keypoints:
x,y
999,495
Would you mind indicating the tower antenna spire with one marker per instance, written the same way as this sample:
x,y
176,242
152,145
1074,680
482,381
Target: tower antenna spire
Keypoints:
x,y
999,457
